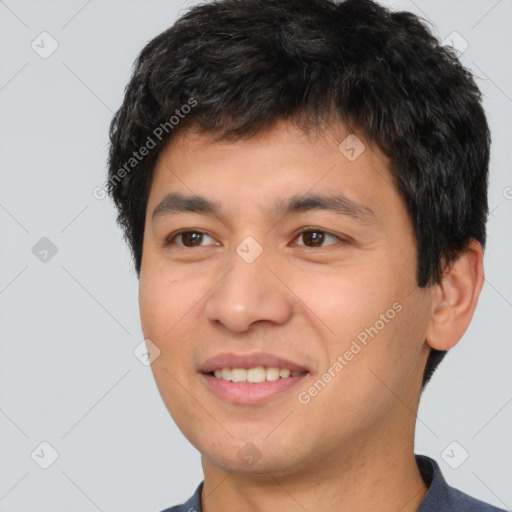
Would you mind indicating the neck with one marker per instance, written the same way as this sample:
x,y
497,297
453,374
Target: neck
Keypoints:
x,y
366,476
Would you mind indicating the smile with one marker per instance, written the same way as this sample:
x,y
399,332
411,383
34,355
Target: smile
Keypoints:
x,y
245,392
253,375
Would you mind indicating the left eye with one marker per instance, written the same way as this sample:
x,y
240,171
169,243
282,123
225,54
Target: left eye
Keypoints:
x,y
316,237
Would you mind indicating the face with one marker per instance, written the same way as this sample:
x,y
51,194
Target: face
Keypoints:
x,y
287,265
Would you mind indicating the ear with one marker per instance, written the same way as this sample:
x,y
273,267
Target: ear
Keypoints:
x,y
456,298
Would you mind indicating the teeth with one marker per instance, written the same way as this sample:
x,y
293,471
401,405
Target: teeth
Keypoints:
x,y
258,374
253,375
272,373
239,375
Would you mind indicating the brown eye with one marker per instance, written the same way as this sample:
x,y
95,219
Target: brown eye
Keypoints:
x,y
188,239
316,237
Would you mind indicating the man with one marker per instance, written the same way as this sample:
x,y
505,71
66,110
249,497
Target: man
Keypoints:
x,y
303,187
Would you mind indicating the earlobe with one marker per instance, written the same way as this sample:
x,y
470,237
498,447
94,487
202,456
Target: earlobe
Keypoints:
x,y
456,298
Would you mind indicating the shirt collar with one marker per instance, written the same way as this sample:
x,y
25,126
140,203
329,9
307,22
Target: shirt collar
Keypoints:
x,y
438,494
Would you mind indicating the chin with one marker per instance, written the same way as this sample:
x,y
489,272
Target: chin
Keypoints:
x,y
255,464
241,455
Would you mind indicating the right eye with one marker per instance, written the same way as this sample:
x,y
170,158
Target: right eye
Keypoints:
x,y
189,239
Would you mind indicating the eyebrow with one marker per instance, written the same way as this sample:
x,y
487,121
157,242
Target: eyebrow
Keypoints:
x,y
176,202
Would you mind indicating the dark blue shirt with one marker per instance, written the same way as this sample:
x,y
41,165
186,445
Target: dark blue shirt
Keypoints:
x,y
440,496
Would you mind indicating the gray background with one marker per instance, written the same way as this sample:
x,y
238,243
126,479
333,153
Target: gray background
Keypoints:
x,y
70,323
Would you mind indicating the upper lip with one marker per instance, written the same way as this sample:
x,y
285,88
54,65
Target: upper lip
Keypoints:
x,y
251,360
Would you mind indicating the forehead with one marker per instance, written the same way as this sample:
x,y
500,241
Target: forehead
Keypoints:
x,y
273,169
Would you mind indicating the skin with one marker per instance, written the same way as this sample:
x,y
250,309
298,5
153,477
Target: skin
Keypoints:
x,y
351,446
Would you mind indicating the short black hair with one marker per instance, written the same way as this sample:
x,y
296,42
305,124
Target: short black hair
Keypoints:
x,y
236,67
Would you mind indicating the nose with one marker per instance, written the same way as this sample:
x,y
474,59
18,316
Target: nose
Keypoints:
x,y
250,293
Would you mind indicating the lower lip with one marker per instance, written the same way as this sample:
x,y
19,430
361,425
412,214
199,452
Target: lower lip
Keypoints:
x,y
245,393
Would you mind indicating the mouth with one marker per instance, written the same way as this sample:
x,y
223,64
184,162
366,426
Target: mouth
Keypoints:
x,y
254,375
251,379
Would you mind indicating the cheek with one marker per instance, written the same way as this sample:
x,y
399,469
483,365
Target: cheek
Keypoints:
x,y
345,302
164,302
168,320
172,315
166,289
153,301
370,320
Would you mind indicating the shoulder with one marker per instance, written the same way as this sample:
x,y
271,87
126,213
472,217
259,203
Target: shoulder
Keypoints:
x,y
441,497
464,502
179,508
193,504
